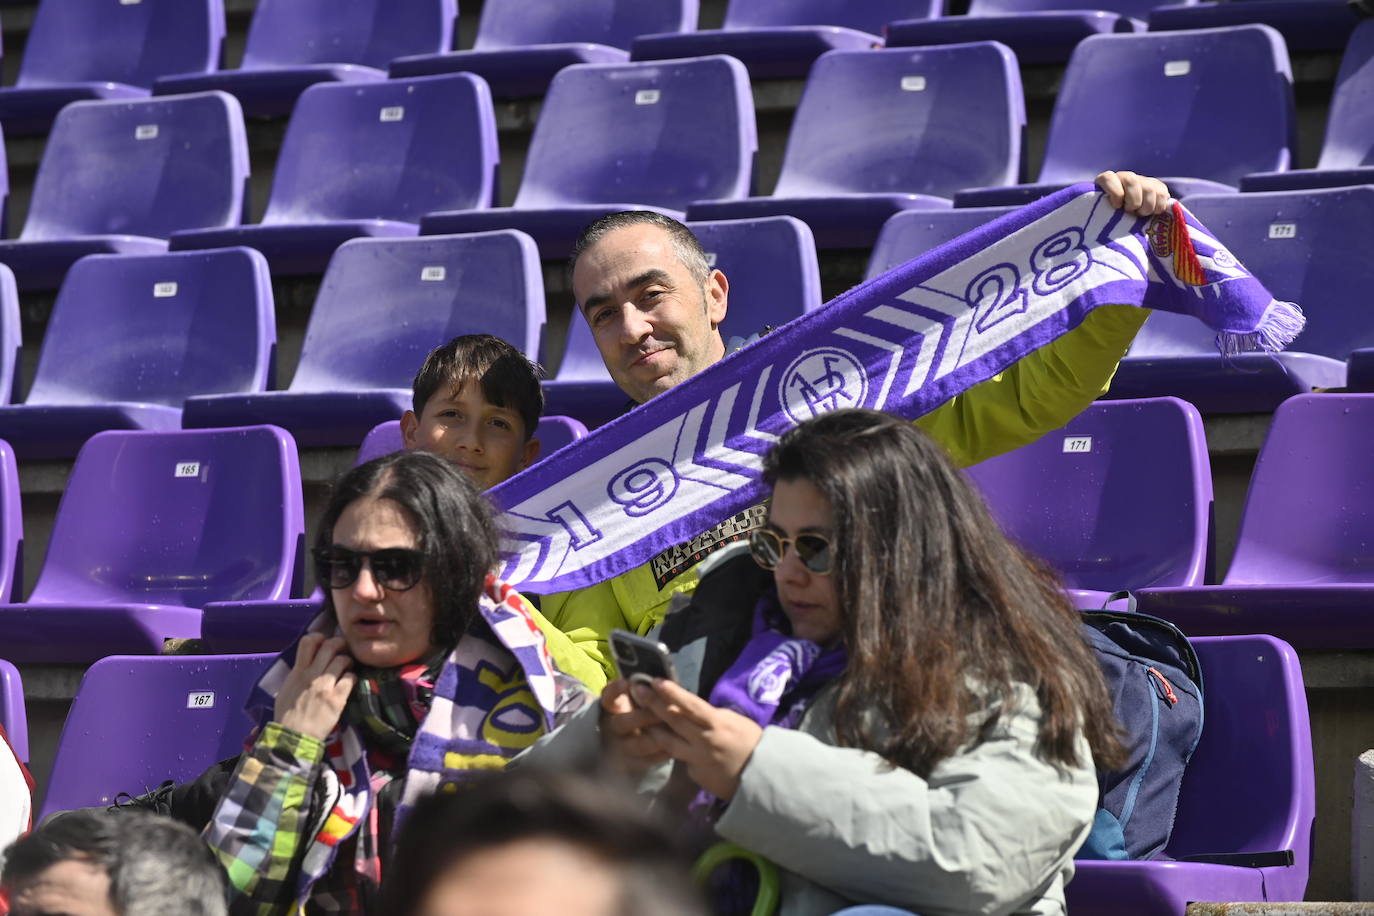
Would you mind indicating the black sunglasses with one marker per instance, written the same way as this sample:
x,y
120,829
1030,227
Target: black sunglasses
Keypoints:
x,y
394,568
813,550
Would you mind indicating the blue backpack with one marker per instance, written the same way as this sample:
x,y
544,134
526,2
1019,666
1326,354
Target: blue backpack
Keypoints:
x,y
1155,681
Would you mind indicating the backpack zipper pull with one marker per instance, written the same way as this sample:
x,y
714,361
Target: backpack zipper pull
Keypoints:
x,y
1166,690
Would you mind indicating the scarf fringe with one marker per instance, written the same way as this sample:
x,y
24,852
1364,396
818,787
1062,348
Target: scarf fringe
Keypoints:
x,y
1281,324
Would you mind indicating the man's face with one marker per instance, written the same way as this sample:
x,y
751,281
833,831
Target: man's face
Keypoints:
x,y
654,324
461,426
73,887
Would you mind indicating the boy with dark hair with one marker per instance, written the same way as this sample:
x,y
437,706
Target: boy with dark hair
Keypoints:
x,y
477,402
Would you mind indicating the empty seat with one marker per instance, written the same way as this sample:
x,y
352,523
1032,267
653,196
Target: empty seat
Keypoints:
x,y
774,277
1348,152
1039,31
911,233
521,44
1243,831
1120,498
152,526
293,44
382,306
1306,25
11,335
122,176
781,38
1308,247
96,49
881,131
137,722
1220,104
1302,568
616,137
132,336
13,713
11,527
369,160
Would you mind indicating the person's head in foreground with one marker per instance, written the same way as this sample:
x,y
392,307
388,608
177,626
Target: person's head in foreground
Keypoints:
x,y
653,304
477,402
535,842
88,864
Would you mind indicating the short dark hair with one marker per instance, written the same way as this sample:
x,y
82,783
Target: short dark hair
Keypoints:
x,y
685,244
451,517
611,822
508,377
157,866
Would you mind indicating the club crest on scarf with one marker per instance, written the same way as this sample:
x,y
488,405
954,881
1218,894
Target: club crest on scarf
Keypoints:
x,y
775,673
904,342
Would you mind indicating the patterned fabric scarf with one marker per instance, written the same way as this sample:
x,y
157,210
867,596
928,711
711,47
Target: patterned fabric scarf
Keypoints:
x,y
495,692
904,342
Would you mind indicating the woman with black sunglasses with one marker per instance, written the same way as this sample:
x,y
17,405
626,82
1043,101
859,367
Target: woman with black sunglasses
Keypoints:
x,y
889,701
421,668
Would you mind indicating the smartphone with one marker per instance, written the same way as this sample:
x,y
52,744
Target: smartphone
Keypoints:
x,y
641,659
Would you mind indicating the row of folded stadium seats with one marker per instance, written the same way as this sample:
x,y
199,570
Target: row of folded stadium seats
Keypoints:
x,y
876,132
79,49
198,533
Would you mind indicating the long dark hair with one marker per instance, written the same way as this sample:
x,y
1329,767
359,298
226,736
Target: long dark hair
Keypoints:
x,y
450,515
943,616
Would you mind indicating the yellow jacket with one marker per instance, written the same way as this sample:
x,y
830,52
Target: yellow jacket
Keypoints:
x,y
1037,394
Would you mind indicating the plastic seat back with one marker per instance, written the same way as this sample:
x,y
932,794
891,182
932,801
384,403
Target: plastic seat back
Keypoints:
x,y
146,167
1139,9
11,528
391,149
772,269
75,41
285,33
911,233
178,518
1250,786
1307,516
1350,128
1220,103
869,16
13,713
659,133
521,23
157,329
139,720
906,120
11,333
1119,498
1308,247
433,288
552,432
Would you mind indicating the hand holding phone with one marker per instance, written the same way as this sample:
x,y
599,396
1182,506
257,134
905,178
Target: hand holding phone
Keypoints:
x,y
638,658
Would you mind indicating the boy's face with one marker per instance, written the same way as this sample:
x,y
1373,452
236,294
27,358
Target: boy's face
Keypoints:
x,y
462,426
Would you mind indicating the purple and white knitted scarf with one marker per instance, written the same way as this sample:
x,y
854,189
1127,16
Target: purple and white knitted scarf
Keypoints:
x,y
904,342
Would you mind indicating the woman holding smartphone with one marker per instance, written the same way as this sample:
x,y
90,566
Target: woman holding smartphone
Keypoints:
x,y
908,714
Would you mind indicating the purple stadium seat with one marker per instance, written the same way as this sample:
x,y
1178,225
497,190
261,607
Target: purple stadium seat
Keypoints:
x,y
4,189
11,527
1306,25
881,131
293,44
369,159
774,277
521,44
13,714
1120,498
1302,569
1308,247
152,526
1039,31
119,177
132,336
552,432
96,49
382,306
632,136
138,721
911,233
11,334
781,38
1248,799
1220,105
1348,153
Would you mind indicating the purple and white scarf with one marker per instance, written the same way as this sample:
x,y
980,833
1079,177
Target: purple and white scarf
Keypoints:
x,y
904,342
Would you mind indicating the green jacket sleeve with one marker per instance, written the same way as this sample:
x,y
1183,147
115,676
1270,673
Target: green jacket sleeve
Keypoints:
x,y
1038,393
579,653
